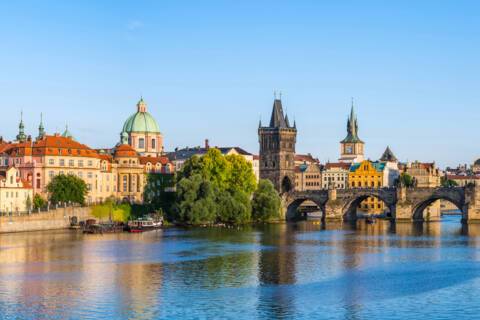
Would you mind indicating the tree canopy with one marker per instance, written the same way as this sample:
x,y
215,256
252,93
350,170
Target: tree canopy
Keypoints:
x,y
266,202
67,188
215,189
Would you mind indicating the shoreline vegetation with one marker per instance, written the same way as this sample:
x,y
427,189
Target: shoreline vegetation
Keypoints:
x,y
211,191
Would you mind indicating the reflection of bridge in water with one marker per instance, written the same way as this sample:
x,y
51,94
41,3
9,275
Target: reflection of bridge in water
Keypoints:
x,y
406,204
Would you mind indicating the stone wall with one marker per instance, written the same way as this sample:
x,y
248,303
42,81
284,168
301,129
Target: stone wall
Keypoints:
x,y
53,219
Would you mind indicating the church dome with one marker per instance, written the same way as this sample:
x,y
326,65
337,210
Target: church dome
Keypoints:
x,y
141,121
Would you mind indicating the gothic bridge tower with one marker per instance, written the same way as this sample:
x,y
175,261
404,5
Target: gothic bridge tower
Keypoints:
x,y
277,150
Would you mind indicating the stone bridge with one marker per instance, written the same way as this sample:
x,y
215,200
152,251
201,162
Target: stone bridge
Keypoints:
x,y
405,204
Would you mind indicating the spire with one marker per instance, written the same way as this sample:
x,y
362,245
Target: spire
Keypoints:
x,y
352,128
67,133
41,128
141,105
21,129
277,120
388,156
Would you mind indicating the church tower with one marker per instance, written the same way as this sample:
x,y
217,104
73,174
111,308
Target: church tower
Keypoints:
x,y
351,148
277,150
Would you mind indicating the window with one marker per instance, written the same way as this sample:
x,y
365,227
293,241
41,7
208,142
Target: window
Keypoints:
x,y
80,175
141,143
90,163
125,185
51,162
80,163
62,162
71,163
154,145
51,174
89,175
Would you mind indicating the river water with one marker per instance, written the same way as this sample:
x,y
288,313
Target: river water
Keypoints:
x,y
284,271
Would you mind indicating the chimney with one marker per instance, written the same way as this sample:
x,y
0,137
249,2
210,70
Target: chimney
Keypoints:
x,y
207,146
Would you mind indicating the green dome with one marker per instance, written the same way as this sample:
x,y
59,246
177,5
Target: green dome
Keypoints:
x,y
142,121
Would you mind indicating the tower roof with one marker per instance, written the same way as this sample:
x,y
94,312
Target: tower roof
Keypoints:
x,y
277,120
67,133
388,156
352,128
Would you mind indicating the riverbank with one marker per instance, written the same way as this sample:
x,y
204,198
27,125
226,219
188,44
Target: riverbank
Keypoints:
x,y
50,220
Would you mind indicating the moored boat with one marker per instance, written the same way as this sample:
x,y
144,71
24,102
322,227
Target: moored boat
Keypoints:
x,y
145,224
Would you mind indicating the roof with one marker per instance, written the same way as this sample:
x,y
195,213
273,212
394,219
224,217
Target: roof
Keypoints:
x,y
124,150
379,166
477,162
462,177
305,158
141,121
51,146
154,160
388,156
341,165
277,119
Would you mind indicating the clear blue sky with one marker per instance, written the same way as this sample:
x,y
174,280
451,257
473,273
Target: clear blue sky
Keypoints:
x,y
207,69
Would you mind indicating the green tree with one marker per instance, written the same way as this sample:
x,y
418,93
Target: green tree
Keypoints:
x,y
233,208
38,201
195,202
241,175
67,188
266,202
406,179
445,182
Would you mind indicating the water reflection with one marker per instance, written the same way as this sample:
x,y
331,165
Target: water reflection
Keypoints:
x,y
304,270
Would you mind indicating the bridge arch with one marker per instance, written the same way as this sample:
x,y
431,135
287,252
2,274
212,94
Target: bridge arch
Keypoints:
x,y
295,200
455,196
349,211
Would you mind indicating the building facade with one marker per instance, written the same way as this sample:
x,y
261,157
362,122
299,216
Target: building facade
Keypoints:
x,y
308,176
16,194
277,150
335,175
368,174
120,172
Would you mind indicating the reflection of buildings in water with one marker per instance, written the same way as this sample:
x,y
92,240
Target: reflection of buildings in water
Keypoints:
x,y
277,269
38,259
139,285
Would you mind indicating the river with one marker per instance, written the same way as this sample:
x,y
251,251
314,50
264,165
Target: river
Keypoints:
x,y
283,271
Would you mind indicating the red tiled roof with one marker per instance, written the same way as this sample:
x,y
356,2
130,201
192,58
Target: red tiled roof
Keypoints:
x,y
154,160
459,177
124,150
51,146
341,165
305,157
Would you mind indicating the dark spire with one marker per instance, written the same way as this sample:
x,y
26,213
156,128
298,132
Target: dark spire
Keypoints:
x,y
21,130
41,128
352,128
388,156
277,119
286,121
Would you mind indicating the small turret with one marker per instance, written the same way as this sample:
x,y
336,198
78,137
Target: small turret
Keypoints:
x,y
41,128
21,137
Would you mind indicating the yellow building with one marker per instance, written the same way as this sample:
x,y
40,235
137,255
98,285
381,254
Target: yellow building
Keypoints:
x,y
368,174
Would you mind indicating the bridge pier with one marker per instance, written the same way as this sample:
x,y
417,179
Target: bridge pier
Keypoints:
x,y
472,207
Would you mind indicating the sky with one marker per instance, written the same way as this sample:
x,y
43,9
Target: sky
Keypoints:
x,y
208,69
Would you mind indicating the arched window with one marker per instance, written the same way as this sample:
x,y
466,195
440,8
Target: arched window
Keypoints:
x,y
125,184
141,143
154,144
